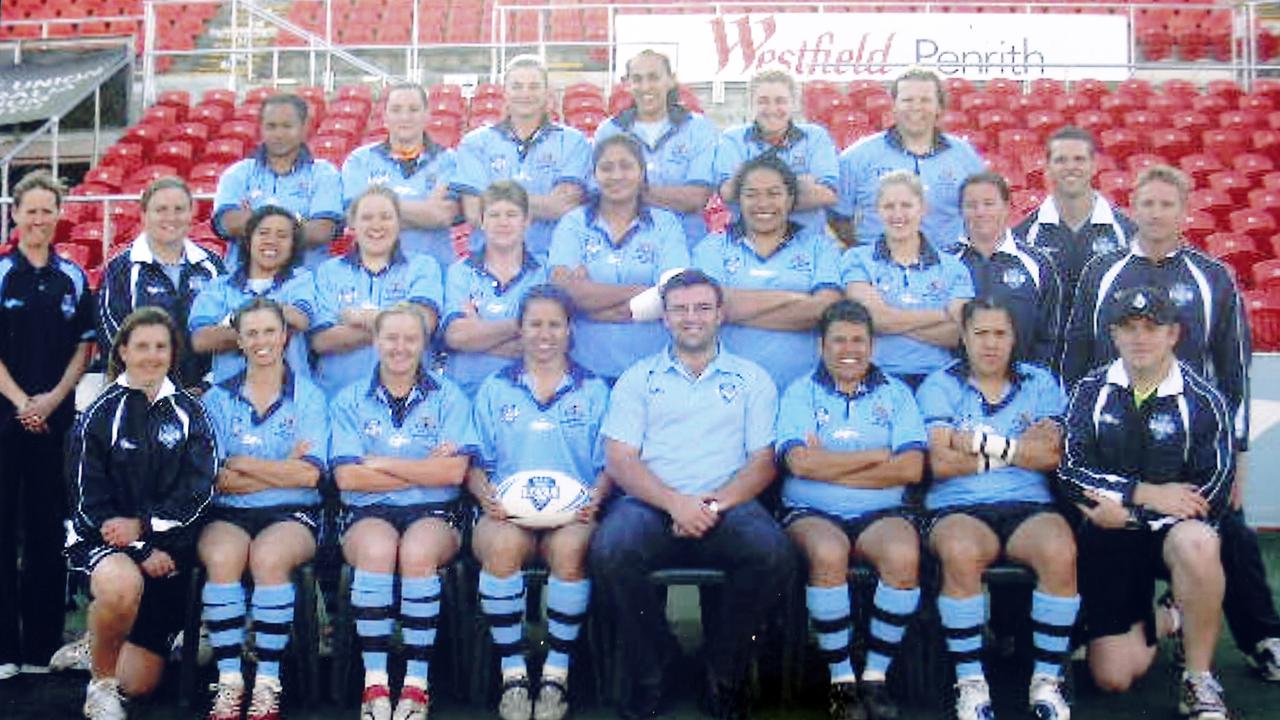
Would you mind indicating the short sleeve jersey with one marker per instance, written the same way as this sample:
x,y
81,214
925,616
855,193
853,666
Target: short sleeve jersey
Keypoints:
x,y
879,413
806,148
221,298
298,416
653,244
948,399
807,261
932,283
518,432
367,420
694,433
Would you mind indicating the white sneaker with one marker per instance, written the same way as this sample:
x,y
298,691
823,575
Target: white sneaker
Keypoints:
x,y
228,699
973,700
1046,700
75,655
103,700
8,670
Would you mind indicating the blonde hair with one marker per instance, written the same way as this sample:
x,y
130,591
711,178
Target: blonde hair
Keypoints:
x,y
764,77
1165,174
924,74
905,178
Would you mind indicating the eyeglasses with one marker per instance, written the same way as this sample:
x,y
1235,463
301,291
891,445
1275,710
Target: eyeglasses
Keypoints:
x,y
697,309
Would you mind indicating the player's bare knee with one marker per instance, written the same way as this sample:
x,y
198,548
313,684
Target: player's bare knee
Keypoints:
x,y
828,562
117,584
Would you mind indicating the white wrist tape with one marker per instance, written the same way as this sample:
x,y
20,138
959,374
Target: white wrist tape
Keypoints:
x,y
995,447
647,305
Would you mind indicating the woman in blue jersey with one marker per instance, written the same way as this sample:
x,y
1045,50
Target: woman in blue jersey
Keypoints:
x,y
995,432
778,276
913,291
400,448
273,244
351,290
610,250
482,293
851,439
273,441
542,412
804,147
142,460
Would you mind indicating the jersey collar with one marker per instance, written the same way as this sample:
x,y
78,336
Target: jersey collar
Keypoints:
x,y
874,378
304,158
574,376
167,388
790,136
894,138
140,252
1102,213
1172,384
235,386
928,254
737,232
527,266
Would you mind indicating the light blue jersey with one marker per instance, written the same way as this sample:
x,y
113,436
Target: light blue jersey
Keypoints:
x,y
345,283
299,415
693,433
312,190
807,261
942,170
554,154
411,180
932,283
805,148
517,432
468,282
221,298
367,420
948,399
683,155
880,413
652,245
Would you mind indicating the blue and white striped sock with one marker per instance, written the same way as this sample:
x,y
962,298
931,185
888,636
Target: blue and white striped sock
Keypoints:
x,y
829,610
566,609
272,615
962,621
419,617
502,602
371,598
224,616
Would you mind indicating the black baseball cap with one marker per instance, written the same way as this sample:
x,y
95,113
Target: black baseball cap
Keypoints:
x,y
1148,302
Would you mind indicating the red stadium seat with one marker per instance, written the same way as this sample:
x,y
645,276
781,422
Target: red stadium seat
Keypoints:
x,y
180,100
124,155
997,120
211,116
356,92
954,120
1253,165
1071,104
1022,105
586,119
1047,86
1141,161
957,88
352,108
1242,120
76,253
1198,226
1165,105
1095,121
1228,90
1216,202
1257,103
1200,166
206,171
1225,144
1254,222
343,126
1090,87
1018,142
1266,275
160,115
620,99
1044,122
976,103
1115,184
1232,182
197,134
1120,143
1238,250
226,98
110,175
147,136
224,151
258,94
1266,199
1135,87
87,234
1171,144
445,130
979,139
1117,104
1210,104
245,132
1142,120
1263,307
139,180
249,112
1266,143
492,90
859,90
1191,121
1003,86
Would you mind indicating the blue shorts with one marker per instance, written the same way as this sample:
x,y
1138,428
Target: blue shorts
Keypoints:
x,y
1004,518
401,517
853,527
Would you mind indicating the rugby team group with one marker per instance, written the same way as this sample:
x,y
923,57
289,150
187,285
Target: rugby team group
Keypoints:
x,y
867,365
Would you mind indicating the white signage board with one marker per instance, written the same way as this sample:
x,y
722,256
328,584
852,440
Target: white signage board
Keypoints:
x,y
848,46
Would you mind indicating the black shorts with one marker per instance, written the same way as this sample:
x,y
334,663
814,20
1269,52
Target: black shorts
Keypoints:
x,y
162,610
254,520
1117,572
1004,518
853,527
402,516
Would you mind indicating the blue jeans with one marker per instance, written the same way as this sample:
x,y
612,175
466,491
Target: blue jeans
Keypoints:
x,y
635,539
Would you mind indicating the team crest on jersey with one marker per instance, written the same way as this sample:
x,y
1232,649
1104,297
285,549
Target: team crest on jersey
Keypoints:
x,y
540,490
801,263
935,289
498,166
592,248
509,413
1162,426
728,391
347,296
250,440
680,151
646,253
798,162
170,435
398,440
196,283
732,264
546,162
881,414
1181,294
572,413
68,306
286,428
821,416
1104,244
1014,278
1020,423
396,289
373,428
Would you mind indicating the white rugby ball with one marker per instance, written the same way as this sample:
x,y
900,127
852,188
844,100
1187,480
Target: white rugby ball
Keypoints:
x,y
542,498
